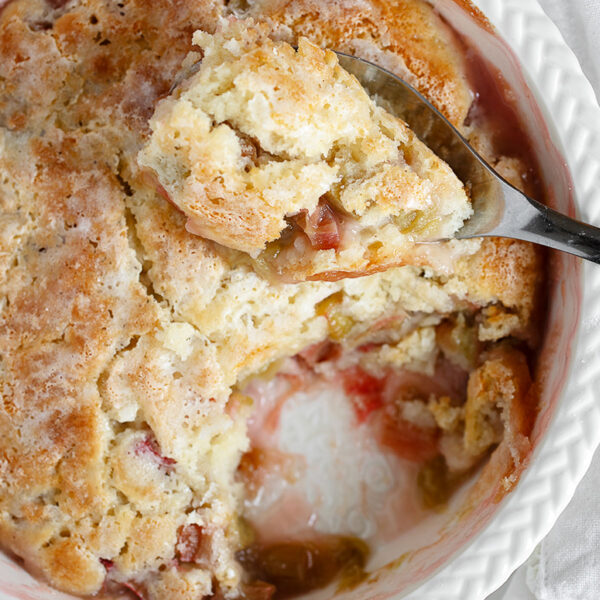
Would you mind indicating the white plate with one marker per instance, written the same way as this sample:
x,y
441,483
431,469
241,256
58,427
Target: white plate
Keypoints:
x,y
568,430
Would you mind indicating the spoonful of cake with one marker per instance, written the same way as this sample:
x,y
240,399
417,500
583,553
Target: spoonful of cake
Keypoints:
x,y
319,166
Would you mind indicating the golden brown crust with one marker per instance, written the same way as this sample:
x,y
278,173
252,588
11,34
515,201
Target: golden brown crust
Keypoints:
x,y
354,183
406,37
72,300
496,407
71,295
101,60
511,272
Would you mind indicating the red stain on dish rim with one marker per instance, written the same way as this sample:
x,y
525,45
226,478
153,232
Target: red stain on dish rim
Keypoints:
x,y
495,102
554,361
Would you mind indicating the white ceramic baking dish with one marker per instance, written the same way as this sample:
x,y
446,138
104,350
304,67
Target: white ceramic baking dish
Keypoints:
x,y
465,555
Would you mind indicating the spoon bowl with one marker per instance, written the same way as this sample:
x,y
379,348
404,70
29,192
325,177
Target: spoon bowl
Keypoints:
x,y
499,209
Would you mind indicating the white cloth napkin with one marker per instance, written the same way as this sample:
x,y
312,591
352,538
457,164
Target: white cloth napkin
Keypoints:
x,y
566,564
579,22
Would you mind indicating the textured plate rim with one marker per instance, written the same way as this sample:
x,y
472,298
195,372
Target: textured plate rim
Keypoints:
x,y
574,434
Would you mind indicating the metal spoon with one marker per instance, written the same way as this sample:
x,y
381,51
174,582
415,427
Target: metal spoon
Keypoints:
x,y
499,208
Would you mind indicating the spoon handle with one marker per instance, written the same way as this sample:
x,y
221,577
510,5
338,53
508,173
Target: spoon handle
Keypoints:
x,y
542,225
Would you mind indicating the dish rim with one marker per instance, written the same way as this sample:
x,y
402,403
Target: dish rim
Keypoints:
x,y
562,457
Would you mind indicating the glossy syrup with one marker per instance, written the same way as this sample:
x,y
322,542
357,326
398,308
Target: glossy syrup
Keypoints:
x,y
494,108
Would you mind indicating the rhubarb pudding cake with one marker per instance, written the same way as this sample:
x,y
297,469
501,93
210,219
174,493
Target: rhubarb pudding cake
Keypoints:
x,y
266,144
207,224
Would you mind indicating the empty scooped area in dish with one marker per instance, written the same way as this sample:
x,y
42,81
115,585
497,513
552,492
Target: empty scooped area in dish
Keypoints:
x,y
345,460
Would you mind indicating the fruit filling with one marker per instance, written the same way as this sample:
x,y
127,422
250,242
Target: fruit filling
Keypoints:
x,y
379,448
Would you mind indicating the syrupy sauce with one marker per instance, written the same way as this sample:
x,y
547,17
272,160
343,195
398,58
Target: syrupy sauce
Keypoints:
x,y
494,108
298,567
476,15
299,559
